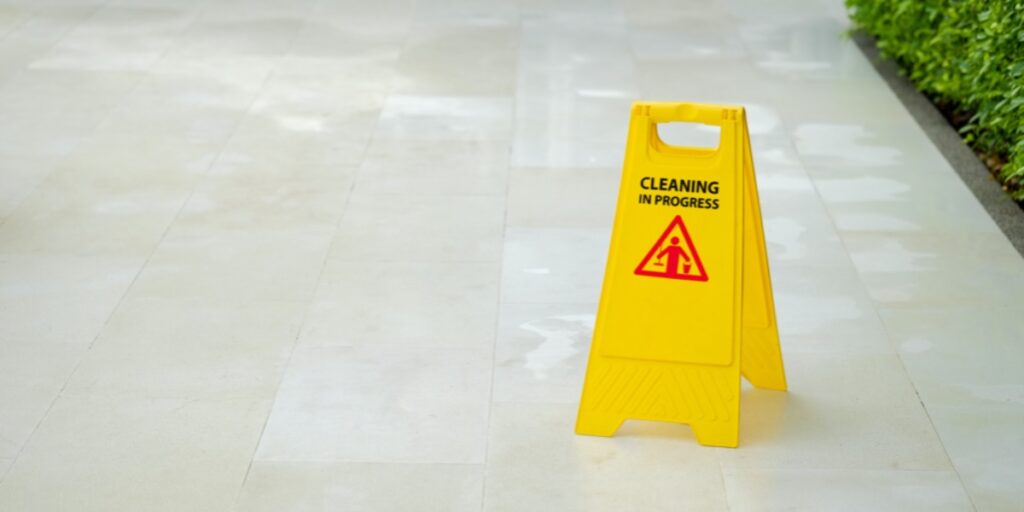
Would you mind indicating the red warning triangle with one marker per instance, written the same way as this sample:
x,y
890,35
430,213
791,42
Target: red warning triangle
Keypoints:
x,y
673,256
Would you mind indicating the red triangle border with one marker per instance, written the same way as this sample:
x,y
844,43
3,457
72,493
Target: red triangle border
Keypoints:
x,y
701,276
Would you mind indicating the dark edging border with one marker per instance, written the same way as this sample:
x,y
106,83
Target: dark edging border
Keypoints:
x,y
1003,210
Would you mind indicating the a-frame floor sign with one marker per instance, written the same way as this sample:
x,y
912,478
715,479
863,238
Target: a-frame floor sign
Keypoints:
x,y
686,306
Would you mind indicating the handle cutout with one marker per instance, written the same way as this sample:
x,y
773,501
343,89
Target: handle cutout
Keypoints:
x,y
685,140
694,136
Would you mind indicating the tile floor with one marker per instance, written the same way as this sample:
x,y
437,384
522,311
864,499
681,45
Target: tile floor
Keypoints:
x,y
343,255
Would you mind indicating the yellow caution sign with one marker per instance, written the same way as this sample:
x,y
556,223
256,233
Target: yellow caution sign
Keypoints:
x,y
686,305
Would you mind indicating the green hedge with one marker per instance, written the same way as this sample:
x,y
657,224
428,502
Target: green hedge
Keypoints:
x,y
968,53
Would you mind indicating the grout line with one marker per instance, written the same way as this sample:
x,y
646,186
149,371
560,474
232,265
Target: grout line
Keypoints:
x,y
924,407
725,488
298,335
312,297
501,266
376,462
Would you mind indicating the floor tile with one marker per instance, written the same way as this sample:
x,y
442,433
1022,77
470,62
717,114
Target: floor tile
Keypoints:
x,y
459,59
228,32
795,489
835,107
902,270
383,403
303,146
32,374
139,454
467,13
82,95
576,118
531,150
415,227
541,352
910,202
21,176
231,77
546,265
283,199
118,38
849,411
533,447
223,264
889,184
154,114
864,145
411,166
445,117
585,111
806,48
443,304
297,101
335,37
121,161
800,234
92,217
785,10
826,311
960,356
561,197
59,299
190,349
11,18
986,446
317,486
660,41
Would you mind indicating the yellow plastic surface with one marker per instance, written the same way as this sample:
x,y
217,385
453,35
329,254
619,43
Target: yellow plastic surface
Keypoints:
x,y
686,305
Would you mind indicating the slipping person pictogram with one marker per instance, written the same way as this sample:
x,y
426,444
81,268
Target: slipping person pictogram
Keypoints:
x,y
668,258
674,253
